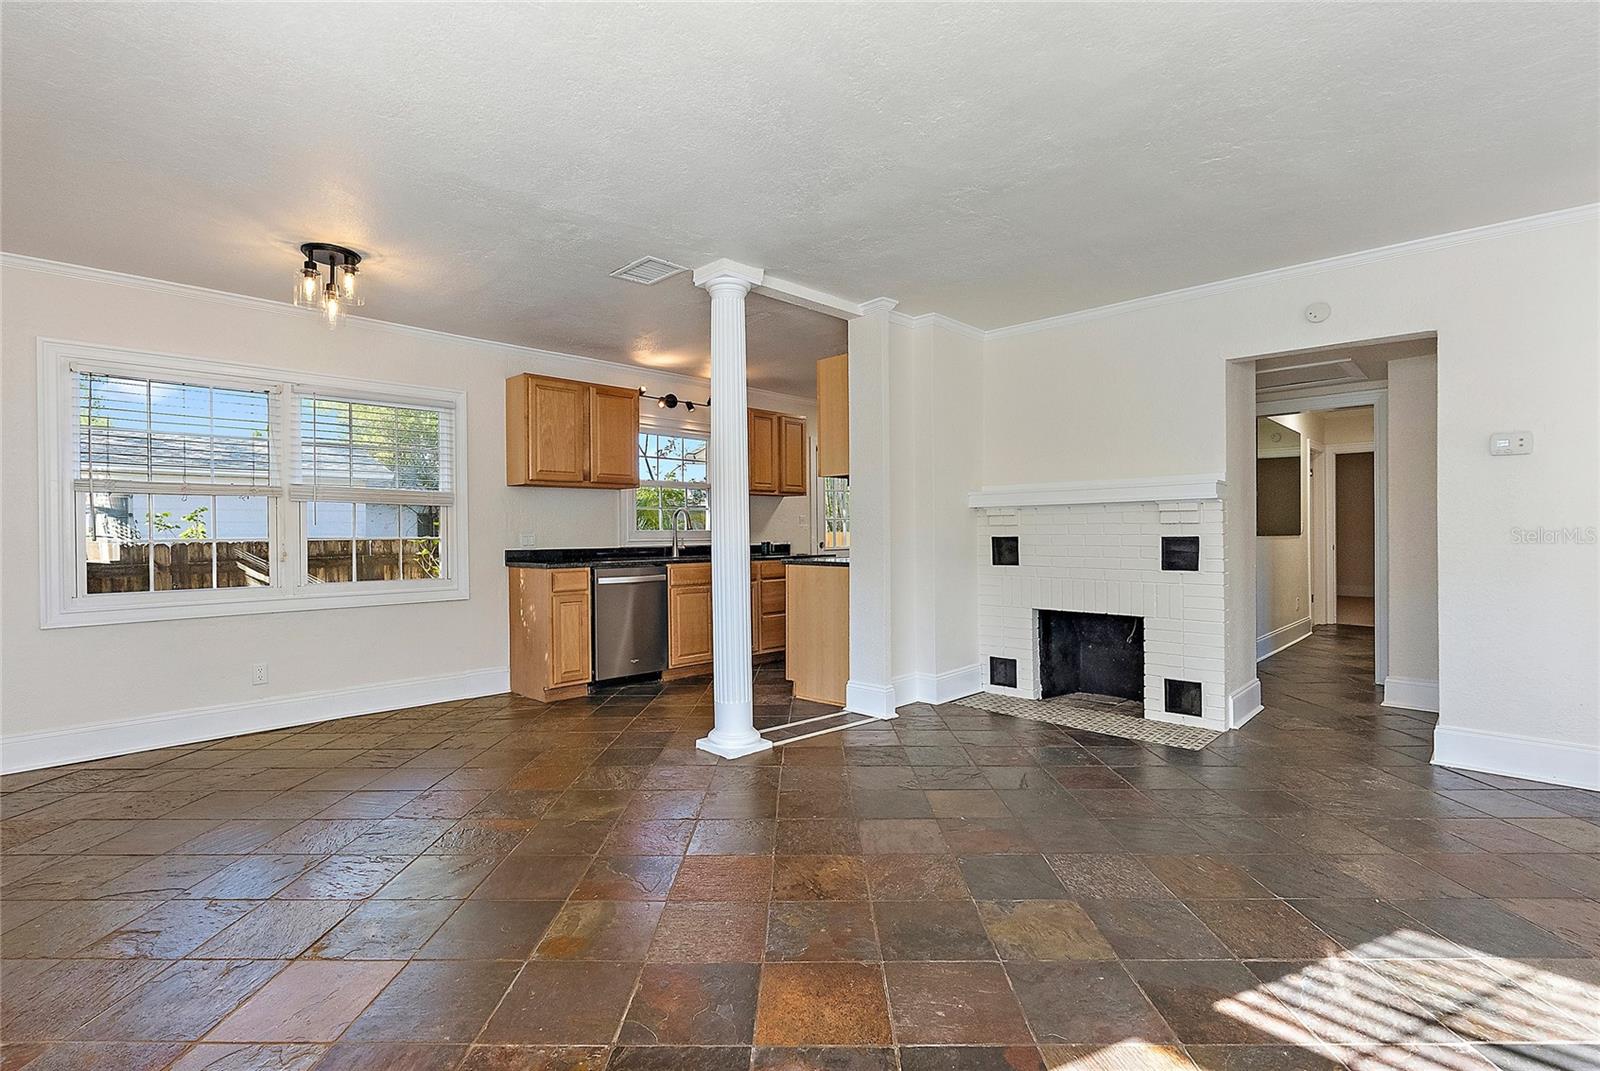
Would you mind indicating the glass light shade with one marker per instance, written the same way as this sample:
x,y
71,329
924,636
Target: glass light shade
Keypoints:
x,y
349,277
308,287
332,308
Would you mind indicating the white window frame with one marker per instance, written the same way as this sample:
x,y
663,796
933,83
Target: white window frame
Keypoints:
x,y
63,604
653,423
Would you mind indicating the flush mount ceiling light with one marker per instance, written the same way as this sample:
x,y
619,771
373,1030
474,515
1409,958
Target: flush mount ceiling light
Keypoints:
x,y
648,270
340,292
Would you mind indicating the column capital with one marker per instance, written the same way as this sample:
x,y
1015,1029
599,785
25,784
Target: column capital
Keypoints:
x,y
878,304
728,273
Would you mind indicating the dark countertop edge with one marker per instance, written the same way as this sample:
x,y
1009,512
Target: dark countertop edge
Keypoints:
x,y
788,559
559,557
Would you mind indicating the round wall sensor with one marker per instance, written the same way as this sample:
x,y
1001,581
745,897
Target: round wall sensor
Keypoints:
x,y
1318,312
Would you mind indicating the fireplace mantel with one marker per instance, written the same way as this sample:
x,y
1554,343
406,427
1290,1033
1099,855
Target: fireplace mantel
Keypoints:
x,y
1201,488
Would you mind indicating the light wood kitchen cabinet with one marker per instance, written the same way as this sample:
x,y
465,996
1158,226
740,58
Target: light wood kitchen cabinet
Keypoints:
x,y
613,436
777,453
562,433
550,633
764,460
689,642
833,416
768,609
819,631
791,456
688,615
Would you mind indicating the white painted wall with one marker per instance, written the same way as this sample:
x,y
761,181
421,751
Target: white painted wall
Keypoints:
x,y
65,679
1345,427
1143,390
938,440
1413,529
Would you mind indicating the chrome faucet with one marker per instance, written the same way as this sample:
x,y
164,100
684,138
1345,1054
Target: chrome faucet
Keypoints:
x,y
676,549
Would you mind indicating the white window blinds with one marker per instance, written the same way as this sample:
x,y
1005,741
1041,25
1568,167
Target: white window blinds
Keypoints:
x,y
369,450
151,435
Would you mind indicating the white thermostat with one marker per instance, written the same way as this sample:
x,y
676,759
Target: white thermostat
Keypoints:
x,y
1502,443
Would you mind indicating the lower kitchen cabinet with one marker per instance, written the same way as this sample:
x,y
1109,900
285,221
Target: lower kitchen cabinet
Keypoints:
x,y
551,612
688,615
689,644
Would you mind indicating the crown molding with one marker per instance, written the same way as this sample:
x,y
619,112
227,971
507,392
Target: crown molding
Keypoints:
x,y
939,319
1578,214
581,364
878,304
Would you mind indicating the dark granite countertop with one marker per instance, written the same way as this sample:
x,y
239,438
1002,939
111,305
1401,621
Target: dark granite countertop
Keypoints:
x,y
572,557
834,560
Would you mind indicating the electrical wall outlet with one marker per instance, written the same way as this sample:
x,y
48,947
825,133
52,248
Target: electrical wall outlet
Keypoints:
x,y
258,673
526,539
1503,443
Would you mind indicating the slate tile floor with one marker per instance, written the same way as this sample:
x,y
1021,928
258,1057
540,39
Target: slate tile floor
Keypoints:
x,y
497,884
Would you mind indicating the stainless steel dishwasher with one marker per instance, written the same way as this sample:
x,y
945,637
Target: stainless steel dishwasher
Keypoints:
x,y
630,620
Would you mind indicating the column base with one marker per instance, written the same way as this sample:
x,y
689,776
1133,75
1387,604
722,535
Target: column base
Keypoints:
x,y
735,750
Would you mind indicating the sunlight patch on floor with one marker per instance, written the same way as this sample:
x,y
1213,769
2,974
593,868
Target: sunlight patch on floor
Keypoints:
x,y
1413,1002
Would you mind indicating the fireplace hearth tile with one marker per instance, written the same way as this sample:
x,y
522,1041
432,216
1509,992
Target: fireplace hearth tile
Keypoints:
x,y
1094,713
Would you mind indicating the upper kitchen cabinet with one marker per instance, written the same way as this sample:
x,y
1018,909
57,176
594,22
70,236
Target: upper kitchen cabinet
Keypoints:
x,y
777,453
562,433
833,416
791,455
763,452
613,437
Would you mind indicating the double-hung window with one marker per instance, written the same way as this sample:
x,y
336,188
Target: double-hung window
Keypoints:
x,y
836,513
175,482
673,475
174,487
373,483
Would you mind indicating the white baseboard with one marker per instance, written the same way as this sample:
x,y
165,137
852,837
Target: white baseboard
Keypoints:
x,y
938,688
57,747
1244,703
1409,693
1280,638
873,700
1527,757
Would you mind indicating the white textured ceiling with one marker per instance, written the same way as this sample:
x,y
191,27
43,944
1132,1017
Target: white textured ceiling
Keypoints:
x,y
995,163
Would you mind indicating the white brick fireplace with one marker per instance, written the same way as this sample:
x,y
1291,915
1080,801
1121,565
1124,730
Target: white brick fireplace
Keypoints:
x,y
1096,548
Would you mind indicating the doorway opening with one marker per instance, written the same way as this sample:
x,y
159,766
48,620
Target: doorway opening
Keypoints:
x,y
1346,445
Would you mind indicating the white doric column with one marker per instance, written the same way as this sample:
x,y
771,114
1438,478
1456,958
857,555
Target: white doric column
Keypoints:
x,y
733,733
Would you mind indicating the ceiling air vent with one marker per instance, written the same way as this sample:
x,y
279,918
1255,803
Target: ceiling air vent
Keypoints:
x,y
648,270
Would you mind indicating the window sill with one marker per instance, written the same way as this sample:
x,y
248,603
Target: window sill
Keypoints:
x,y
86,613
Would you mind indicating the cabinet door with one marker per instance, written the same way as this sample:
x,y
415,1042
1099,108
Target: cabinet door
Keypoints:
x,y
559,437
688,626
773,630
763,452
833,416
791,455
569,638
614,436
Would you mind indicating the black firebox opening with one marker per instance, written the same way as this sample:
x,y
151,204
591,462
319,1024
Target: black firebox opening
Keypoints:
x,y
1099,653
